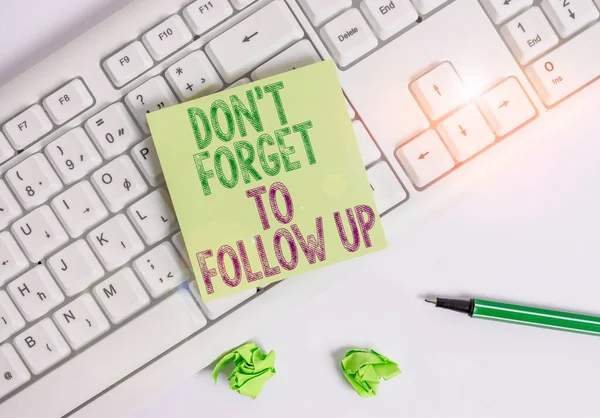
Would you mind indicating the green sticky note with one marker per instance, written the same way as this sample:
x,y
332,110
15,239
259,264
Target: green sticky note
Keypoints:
x,y
364,369
267,180
252,368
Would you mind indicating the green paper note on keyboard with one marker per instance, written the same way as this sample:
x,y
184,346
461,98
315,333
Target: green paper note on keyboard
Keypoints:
x,y
267,180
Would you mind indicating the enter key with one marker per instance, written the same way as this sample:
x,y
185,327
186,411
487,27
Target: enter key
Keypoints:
x,y
568,68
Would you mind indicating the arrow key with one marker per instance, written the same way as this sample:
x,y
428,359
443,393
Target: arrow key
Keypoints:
x,y
506,107
466,132
502,10
568,16
153,216
425,159
439,91
161,269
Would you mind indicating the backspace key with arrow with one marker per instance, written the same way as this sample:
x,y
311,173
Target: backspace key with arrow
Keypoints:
x,y
254,40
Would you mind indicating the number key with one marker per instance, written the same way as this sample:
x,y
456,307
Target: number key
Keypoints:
x,y
529,35
73,155
113,130
34,181
568,16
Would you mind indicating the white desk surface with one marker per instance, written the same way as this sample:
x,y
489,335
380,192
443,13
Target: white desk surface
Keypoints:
x,y
529,235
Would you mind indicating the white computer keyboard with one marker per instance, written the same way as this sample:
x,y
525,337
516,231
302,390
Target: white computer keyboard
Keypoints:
x,y
92,265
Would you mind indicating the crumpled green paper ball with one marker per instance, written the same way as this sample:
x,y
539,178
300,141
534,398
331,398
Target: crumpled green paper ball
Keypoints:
x,y
252,369
363,369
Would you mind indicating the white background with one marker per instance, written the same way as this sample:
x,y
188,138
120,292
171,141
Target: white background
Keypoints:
x,y
529,235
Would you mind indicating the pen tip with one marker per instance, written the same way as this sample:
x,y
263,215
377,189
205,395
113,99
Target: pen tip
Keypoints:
x,y
431,300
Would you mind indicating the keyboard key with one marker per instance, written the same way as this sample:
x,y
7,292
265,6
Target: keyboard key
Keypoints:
x,y
39,233
153,95
73,155
387,190
167,37
81,321
348,37
6,151
425,158
202,15
250,42
180,245
34,181
146,158
10,319
566,69
28,127
193,76
507,107
9,208
75,267
153,216
466,132
529,35
113,130
439,91
115,242
79,208
388,17
426,6
105,362
320,11
35,293
12,369
119,183
570,16
12,259
42,346
240,4
502,10
367,147
121,295
161,269
68,101
298,55
216,308
128,63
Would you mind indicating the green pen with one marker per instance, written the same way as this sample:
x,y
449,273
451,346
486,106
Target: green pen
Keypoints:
x,y
524,315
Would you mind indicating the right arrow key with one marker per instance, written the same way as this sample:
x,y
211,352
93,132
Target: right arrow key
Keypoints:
x,y
425,158
507,107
